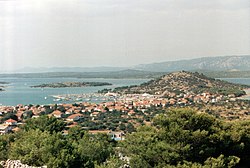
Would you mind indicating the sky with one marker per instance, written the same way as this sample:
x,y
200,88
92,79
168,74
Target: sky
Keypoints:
x,y
89,33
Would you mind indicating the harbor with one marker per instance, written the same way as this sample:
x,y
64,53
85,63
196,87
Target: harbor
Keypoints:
x,y
89,97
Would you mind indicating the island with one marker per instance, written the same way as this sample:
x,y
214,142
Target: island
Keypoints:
x,y
71,84
4,83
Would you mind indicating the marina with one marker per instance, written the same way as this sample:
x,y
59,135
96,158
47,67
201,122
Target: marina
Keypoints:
x,y
20,92
83,97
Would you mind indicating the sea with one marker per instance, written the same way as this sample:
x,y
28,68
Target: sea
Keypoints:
x,y
19,90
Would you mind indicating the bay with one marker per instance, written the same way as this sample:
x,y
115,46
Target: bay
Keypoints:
x,y
20,92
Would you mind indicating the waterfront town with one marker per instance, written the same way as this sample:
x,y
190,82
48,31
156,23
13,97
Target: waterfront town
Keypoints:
x,y
127,120
124,113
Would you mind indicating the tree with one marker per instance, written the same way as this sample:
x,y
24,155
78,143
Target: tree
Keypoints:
x,y
112,162
130,128
45,123
27,114
185,137
10,116
38,148
92,149
122,127
75,133
5,141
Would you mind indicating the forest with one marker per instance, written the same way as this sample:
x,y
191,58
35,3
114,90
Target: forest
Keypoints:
x,y
177,138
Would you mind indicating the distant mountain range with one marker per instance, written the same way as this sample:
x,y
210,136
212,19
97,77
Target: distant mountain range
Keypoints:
x,y
222,63
225,63
70,69
206,64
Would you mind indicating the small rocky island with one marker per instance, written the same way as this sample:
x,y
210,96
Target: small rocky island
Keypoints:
x,y
71,84
2,85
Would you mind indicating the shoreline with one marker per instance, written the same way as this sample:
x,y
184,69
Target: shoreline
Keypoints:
x,y
247,96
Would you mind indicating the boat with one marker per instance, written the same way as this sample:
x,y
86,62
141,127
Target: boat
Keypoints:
x,y
57,99
78,99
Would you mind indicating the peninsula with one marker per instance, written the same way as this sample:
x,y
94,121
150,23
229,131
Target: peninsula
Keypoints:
x,y
71,84
183,82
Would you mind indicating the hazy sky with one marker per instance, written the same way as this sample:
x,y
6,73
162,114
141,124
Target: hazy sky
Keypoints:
x,y
54,33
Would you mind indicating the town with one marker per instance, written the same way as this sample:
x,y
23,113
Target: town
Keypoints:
x,y
125,113
124,118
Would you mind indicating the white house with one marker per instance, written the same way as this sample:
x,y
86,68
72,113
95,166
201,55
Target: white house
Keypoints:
x,y
4,129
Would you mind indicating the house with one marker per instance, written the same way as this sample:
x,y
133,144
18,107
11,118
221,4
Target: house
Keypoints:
x,y
69,111
131,113
19,114
57,114
74,117
16,129
117,136
35,116
93,132
94,114
11,122
4,129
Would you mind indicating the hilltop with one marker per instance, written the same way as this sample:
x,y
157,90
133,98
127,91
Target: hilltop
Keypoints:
x,y
184,82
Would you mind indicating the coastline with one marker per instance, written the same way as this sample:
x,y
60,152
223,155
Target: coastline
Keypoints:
x,y
247,96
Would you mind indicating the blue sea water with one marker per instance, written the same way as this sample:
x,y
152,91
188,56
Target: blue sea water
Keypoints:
x,y
20,92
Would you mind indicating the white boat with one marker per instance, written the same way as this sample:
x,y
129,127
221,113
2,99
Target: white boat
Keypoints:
x,y
57,99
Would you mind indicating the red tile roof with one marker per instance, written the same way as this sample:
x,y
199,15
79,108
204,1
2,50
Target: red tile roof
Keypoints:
x,y
74,115
10,120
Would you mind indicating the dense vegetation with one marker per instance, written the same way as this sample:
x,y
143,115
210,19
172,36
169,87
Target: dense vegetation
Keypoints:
x,y
185,138
177,138
41,142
